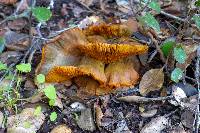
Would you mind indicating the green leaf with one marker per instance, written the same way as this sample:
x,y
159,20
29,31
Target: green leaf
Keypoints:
x,y
3,66
196,19
197,3
52,102
40,78
2,44
38,111
50,92
155,6
53,116
150,21
42,13
23,67
176,75
27,124
180,54
167,47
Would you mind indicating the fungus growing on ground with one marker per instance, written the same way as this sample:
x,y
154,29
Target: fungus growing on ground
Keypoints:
x,y
98,59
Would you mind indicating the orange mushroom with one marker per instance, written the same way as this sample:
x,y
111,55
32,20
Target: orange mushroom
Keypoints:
x,y
92,59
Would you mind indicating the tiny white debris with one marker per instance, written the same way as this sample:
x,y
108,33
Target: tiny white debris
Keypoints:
x,y
122,2
88,21
77,106
156,125
178,94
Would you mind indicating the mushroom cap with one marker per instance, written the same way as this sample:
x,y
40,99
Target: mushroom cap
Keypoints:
x,y
62,51
121,73
87,67
108,30
112,52
101,47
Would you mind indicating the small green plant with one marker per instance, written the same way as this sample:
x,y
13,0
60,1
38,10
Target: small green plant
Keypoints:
x,y
38,111
167,47
2,44
196,19
179,54
50,92
40,78
155,6
148,19
3,66
197,3
42,14
23,67
27,124
53,116
176,75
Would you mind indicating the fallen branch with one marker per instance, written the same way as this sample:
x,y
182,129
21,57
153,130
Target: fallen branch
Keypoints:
x,y
197,75
139,99
172,16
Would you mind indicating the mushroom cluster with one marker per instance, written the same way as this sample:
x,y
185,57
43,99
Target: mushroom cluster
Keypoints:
x,y
98,59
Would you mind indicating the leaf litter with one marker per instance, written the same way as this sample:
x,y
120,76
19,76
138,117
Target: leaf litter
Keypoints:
x,y
100,81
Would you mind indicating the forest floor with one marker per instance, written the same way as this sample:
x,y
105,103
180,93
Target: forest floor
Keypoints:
x,y
164,99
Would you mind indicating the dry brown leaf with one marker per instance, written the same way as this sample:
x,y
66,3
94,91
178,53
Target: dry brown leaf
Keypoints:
x,y
17,24
152,80
8,2
9,57
156,125
16,41
86,2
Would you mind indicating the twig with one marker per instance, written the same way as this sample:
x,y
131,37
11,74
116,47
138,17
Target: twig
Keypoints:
x,y
140,99
172,16
157,47
197,75
84,5
12,17
152,56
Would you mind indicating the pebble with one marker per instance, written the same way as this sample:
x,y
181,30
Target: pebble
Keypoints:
x,y
85,121
61,129
1,119
25,122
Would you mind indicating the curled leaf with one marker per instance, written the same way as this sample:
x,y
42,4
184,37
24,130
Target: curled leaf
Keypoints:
x,y
152,80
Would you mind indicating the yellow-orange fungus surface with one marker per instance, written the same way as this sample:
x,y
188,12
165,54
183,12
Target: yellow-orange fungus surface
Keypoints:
x,y
99,59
